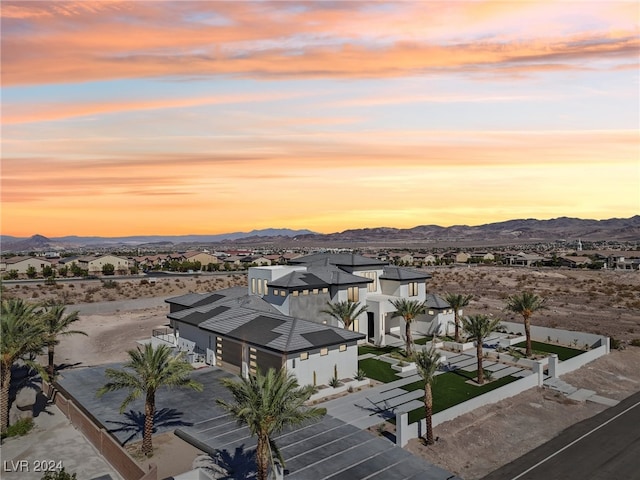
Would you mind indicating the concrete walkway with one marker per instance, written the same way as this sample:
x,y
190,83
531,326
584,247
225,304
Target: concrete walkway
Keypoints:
x,y
53,439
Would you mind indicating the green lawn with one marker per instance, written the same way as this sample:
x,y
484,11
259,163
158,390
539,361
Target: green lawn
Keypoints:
x,y
450,389
564,353
364,349
378,370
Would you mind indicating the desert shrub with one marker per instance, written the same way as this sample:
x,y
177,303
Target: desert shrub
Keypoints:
x,y
21,427
615,343
635,342
335,382
360,375
109,284
58,475
144,281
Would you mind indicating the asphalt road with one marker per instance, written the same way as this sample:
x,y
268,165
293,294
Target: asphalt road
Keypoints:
x,y
604,447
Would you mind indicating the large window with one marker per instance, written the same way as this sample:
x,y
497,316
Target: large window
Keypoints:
x,y
373,286
253,286
413,289
353,294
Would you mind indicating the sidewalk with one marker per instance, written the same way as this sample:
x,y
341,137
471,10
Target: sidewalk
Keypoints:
x,y
53,440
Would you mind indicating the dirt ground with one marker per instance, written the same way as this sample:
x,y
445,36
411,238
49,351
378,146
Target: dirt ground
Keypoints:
x,y
473,445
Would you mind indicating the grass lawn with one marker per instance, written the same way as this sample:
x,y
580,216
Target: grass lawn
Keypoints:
x,y
364,349
378,370
450,389
564,353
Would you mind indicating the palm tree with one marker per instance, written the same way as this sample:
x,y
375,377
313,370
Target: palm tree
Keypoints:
x,y
427,362
22,333
146,371
479,327
525,304
57,323
408,310
457,302
266,403
346,312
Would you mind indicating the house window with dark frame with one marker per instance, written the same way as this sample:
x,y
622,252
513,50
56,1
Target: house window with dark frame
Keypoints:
x,y
304,356
324,351
413,289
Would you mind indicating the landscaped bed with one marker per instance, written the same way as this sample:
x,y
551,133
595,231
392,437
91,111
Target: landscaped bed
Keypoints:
x,y
564,353
450,389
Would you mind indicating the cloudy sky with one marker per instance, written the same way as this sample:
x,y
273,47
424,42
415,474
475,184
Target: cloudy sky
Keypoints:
x,y
125,118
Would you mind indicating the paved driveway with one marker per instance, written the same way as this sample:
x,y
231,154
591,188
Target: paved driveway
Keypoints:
x,y
326,449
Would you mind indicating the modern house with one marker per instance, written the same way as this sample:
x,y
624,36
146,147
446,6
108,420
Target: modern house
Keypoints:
x,y
303,289
242,333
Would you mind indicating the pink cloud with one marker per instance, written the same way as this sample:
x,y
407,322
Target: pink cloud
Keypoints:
x,y
70,42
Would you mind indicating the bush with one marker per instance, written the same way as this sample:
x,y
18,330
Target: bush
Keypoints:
x,y
58,475
21,427
615,343
635,342
335,382
360,375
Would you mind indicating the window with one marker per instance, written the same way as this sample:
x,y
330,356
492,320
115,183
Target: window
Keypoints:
x,y
275,292
324,351
295,293
413,289
430,312
353,294
304,356
373,286
355,326
253,285
315,291
305,292
343,348
264,286
325,290
283,293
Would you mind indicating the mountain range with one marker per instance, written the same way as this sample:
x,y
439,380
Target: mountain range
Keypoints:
x,y
501,233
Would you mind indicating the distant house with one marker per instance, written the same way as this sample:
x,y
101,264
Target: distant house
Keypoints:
x,y
455,257
204,258
95,264
482,256
574,262
22,264
523,259
243,333
255,259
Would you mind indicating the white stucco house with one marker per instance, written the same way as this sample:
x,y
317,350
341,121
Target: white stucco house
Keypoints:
x,y
242,333
304,288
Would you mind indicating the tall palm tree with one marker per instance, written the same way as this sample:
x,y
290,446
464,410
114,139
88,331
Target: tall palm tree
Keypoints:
x,y
408,310
525,304
457,302
477,328
427,362
266,403
146,371
346,312
57,323
22,333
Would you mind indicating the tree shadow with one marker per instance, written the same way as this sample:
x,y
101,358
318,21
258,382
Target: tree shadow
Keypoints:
x,y
239,465
163,418
23,376
64,366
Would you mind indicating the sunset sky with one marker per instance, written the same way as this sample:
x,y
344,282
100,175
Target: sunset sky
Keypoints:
x,y
133,118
